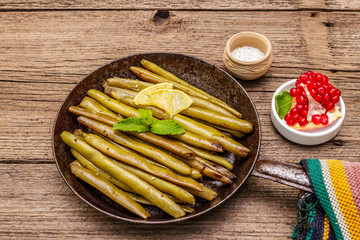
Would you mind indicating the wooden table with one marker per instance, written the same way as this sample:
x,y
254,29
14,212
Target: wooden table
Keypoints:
x,y
47,47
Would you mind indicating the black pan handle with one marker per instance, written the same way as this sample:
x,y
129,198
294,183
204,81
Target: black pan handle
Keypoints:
x,y
283,172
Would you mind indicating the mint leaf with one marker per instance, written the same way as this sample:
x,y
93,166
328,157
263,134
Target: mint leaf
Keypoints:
x,y
132,124
283,103
166,127
146,115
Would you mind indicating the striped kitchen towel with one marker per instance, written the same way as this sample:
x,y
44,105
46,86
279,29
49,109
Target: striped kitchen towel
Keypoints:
x,y
333,211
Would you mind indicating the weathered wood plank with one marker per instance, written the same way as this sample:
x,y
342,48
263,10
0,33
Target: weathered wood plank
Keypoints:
x,y
44,207
45,47
184,4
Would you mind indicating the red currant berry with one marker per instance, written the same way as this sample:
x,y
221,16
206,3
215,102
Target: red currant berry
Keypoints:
x,y
300,99
310,73
324,119
329,106
335,99
316,118
298,82
301,120
306,107
294,92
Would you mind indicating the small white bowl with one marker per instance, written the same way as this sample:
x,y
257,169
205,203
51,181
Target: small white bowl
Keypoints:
x,y
312,137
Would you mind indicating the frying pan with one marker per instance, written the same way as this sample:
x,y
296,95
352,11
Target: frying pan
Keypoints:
x,y
205,76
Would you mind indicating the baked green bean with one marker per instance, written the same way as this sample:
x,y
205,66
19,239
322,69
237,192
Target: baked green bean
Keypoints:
x,y
130,158
209,156
89,165
233,123
92,104
134,182
109,190
160,184
154,78
188,137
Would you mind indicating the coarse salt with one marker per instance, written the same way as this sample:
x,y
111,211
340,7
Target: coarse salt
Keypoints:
x,y
247,54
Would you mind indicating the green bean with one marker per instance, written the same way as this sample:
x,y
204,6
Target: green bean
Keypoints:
x,y
160,184
132,87
206,193
98,116
160,141
91,104
130,158
154,78
142,200
219,119
138,185
132,84
188,137
195,174
209,156
207,131
112,104
149,151
89,165
216,167
230,132
109,190
198,128
207,171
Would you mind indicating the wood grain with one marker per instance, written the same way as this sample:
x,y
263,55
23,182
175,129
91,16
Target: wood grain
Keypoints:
x,y
181,5
43,54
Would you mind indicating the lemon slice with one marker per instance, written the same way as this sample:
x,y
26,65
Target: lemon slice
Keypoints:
x,y
142,97
172,101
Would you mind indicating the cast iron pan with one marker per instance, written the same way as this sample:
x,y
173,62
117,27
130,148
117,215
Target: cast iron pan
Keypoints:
x,y
198,73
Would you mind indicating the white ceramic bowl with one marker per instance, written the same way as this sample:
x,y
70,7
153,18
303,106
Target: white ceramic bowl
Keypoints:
x,y
312,137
